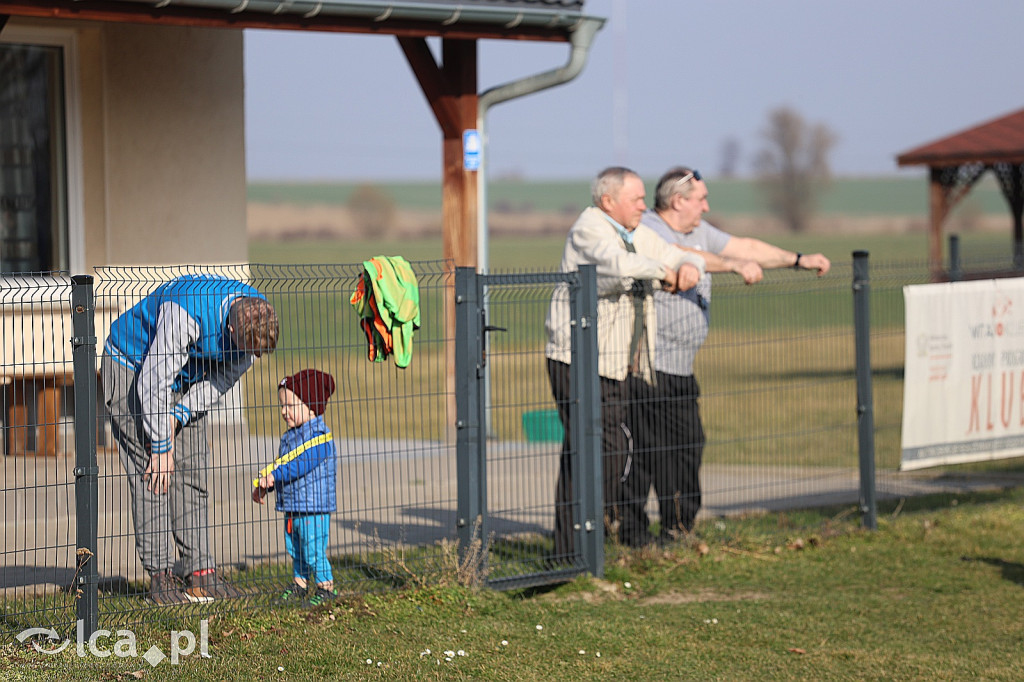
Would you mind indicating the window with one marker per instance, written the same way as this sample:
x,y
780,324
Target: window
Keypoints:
x,y
36,197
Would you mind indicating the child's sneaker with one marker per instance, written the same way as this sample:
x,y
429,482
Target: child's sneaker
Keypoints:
x,y
165,588
293,593
322,596
205,586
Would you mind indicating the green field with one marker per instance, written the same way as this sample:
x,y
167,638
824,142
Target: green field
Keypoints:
x,y
543,253
888,196
777,371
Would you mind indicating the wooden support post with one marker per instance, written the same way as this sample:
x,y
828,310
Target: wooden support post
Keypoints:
x,y
459,209
451,90
938,200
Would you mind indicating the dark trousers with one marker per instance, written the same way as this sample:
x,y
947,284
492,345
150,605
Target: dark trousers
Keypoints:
x,y
671,447
621,512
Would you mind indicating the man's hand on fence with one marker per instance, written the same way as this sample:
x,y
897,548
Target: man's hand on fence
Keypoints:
x,y
688,277
668,282
749,270
815,261
158,473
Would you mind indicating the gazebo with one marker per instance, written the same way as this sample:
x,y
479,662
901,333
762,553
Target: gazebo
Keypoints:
x,y
955,164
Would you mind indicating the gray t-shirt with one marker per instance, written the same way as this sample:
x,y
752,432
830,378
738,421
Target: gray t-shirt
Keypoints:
x,y
683,316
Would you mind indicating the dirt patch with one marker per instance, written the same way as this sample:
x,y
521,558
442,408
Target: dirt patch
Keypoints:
x,y
701,596
604,591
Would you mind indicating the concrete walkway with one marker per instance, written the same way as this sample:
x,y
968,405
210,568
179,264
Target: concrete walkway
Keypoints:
x,y
390,493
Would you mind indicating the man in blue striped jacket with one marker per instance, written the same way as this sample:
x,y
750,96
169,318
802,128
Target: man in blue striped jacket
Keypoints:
x,y
167,361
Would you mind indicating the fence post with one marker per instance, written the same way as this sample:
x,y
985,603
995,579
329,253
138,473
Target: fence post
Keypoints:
x,y
587,427
470,440
865,399
956,272
83,353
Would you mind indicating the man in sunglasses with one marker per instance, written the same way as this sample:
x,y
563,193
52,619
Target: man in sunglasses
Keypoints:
x,y
670,426
631,261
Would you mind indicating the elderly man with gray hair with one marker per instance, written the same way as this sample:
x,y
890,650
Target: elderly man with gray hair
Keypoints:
x,y
631,262
672,434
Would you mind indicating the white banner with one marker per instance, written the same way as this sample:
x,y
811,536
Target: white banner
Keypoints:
x,y
963,385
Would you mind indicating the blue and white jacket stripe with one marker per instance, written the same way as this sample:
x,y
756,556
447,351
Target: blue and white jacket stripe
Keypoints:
x,y
305,480
176,340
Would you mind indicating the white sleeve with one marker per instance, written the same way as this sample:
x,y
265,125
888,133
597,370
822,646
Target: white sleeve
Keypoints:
x,y
611,259
650,242
205,394
167,354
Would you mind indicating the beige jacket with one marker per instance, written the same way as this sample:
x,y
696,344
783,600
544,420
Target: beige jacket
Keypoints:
x,y
594,240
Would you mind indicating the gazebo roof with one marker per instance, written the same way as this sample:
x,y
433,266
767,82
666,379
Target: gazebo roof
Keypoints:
x,y
1000,140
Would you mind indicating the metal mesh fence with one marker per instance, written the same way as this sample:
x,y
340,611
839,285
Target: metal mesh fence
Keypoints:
x,y
38,486
395,468
523,438
778,399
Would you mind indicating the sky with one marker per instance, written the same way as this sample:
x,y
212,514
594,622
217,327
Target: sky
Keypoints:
x,y
667,82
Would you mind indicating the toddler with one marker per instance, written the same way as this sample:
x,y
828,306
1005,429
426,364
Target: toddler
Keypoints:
x,y
303,476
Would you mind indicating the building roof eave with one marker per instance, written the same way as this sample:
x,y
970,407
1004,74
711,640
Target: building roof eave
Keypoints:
x,y
509,20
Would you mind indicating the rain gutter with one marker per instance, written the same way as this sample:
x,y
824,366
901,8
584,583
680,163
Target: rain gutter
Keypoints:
x,y
445,14
580,39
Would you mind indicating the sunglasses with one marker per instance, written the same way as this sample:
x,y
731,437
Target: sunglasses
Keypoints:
x,y
692,175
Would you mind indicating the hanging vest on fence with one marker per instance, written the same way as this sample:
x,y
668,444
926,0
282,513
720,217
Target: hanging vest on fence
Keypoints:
x,y
387,300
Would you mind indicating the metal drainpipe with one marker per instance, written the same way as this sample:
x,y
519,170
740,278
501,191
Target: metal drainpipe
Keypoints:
x,y
581,39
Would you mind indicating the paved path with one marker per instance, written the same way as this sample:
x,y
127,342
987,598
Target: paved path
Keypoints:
x,y
390,493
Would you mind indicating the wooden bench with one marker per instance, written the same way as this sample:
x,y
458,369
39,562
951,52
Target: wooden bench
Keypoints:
x,y
36,370
34,427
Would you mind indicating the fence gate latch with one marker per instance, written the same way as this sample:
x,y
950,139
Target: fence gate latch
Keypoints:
x,y
487,328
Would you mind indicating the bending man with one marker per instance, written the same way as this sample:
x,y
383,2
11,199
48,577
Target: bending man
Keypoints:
x,y
167,362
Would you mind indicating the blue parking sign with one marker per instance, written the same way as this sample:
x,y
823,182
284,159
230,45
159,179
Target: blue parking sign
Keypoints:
x,y
471,149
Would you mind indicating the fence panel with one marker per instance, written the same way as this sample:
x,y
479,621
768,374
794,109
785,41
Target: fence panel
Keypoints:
x,y
395,467
778,388
778,399
38,557
516,447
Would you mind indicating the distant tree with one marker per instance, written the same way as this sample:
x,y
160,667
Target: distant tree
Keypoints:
x,y
730,158
373,210
793,168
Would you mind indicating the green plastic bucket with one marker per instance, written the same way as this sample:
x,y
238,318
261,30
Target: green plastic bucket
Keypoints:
x,y
543,426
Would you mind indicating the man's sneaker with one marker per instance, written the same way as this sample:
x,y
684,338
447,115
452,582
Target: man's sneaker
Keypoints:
x,y
165,588
322,596
205,586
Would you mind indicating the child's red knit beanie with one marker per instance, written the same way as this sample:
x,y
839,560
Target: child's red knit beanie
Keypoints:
x,y
312,387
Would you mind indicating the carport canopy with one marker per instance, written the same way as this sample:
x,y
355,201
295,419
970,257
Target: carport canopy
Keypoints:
x,y
449,84
955,164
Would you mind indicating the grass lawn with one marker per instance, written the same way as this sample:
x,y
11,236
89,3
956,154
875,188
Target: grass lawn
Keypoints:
x,y
934,594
